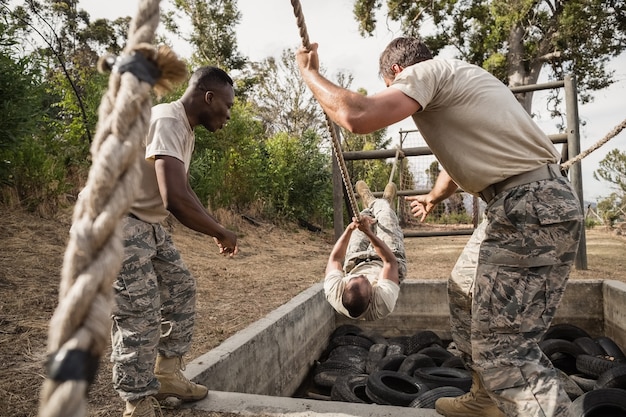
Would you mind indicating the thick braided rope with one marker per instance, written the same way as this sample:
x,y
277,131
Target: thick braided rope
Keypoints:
x,y
93,255
354,209
616,130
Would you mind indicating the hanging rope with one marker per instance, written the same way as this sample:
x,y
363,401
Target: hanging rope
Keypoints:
x,y
616,130
399,154
354,209
79,328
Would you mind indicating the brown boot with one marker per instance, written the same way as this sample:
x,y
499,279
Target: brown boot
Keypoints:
x,y
364,192
390,192
475,403
173,383
145,407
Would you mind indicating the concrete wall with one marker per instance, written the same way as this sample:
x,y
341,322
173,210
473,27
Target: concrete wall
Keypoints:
x,y
614,293
274,355
583,306
421,305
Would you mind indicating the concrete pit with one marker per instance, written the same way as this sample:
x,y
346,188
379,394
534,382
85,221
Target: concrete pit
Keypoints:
x,y
260,369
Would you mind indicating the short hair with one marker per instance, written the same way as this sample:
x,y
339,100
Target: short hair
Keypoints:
x,y
403,51
208,77
355,298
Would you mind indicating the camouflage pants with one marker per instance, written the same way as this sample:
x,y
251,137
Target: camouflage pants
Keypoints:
x,y
505,289
154,308
387,229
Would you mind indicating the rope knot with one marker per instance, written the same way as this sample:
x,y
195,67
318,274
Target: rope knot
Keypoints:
x,y
160,67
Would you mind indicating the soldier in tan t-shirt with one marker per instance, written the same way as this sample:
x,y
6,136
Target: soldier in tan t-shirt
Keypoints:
x,y
155,294
508,282
368,261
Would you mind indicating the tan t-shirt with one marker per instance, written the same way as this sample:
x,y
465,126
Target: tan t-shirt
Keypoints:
x,y
473,124
385,291
169,134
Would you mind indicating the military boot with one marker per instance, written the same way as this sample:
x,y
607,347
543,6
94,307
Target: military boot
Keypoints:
x,y
476,403
390,192
145,407
364,192
173,383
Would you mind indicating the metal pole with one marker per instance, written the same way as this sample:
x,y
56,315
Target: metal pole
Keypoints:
x,y
573,148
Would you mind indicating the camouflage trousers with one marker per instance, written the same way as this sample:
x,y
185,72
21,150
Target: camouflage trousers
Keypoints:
x,y
387,229
154,310
505,289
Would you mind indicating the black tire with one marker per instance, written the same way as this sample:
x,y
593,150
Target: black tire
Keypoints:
x,y
374,337
611,348
399,340
454,362
393,388
565,331
353,355
390,363
593,366
562,353
395,349
326,373
589,346
438,353
375,354
584,382
437,376
346,329
351,389
605,402
414,361
552,346
612,378
349,339
421,340
349,351
428,398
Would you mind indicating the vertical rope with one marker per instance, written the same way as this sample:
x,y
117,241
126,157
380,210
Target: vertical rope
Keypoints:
x,y
354,209
79,327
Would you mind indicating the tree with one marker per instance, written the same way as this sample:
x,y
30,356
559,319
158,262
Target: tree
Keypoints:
x,y
281,100
53,70
212,35
516,39
613,169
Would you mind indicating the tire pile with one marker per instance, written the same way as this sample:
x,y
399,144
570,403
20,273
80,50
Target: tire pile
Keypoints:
x,y
592,370
361,366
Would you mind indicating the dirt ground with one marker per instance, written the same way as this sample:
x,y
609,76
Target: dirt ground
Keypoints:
x,y
275,263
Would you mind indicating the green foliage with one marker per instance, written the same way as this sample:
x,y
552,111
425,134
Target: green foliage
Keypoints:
x,y
299,184
228,165
450,218
20,108
36,177
591,223
610,208
515,39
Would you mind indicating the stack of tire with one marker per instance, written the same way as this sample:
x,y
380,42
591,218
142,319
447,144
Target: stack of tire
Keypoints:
x,y
363,367
414,371
591,369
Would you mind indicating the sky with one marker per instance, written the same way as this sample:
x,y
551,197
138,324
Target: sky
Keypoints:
x,y
267,27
